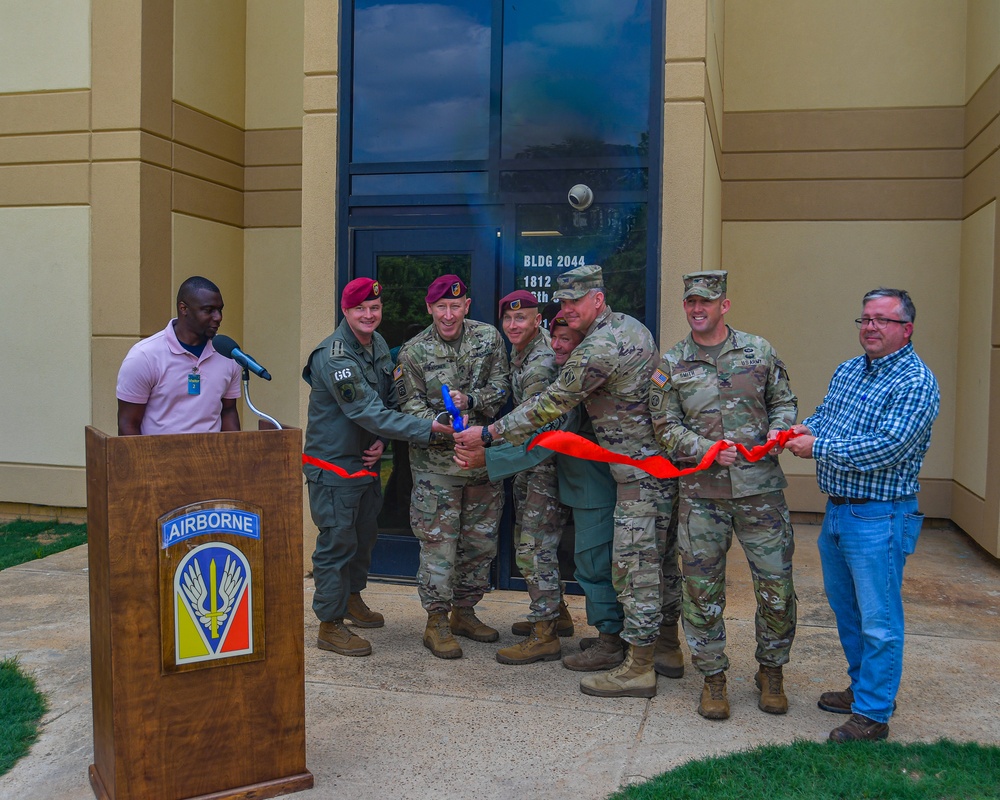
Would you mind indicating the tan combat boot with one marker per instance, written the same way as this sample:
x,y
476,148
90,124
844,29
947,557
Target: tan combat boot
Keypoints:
x,y
564,624
772,693
606,653
634,678
464,622
359,614
334,636
714,703
542,644
668,659
438,638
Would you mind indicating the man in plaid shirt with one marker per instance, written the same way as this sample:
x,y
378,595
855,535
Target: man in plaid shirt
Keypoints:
x,y
869,437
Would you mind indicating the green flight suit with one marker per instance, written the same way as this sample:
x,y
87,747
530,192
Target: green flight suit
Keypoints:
x,y
588,488
351,404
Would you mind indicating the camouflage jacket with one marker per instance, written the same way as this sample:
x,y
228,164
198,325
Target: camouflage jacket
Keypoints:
x,y
695,402
478,367
533,368
351,403
531,371
609,372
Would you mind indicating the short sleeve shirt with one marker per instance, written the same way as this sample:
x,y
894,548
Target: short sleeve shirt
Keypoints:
x,y
156,372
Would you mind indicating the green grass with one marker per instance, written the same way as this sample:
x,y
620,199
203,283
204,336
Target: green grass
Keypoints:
x,y
21,706
825,771
25,540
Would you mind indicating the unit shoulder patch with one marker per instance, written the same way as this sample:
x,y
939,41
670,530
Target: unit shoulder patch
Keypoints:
x,y
347,391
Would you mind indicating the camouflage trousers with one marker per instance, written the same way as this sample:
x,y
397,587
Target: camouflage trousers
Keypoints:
x,y
456,522
347,518
671,588
593,550
642,521
705,533
539,523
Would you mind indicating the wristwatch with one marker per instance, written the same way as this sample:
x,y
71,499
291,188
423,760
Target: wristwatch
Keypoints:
x,y
487,436
472,401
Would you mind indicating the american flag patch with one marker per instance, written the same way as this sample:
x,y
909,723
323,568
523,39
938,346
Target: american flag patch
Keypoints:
x,y
660,378
397,373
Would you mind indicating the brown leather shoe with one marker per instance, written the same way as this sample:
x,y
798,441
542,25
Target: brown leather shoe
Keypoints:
x,y
607,653
772,693
564,624
438,638
860,729
335,637
714,702
360,615
464,622
840,702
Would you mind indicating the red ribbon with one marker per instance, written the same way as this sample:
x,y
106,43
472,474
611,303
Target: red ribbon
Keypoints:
x,y
571,444
316,462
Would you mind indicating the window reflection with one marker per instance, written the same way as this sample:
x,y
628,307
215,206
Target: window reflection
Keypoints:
x,y
421,80
575,81
552,239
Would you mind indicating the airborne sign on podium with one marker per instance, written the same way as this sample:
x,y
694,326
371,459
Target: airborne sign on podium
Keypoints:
x,y
211,585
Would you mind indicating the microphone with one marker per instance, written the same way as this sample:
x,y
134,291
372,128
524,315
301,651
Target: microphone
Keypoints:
x,y
227,347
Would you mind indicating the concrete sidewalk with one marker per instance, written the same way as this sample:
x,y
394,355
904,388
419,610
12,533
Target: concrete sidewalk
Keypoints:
x,y
404,724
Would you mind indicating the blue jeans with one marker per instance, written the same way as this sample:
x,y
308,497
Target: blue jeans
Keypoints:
x,y
863,549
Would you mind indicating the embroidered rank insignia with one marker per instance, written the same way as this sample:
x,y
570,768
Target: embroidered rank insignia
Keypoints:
x,y
337,349
660,378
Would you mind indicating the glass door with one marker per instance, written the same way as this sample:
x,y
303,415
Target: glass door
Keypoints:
x,y
405,261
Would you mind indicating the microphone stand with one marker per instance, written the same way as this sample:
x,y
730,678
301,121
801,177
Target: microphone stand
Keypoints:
x,y
253,408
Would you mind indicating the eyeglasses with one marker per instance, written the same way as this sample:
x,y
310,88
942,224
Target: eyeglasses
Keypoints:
x,y
880,323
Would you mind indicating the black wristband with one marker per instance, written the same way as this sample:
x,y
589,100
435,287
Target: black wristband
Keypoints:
x,y
487,436
472,401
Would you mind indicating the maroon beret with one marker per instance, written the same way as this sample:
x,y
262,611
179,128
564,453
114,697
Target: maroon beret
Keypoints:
x,y
359,291
552,314
448,286
519,298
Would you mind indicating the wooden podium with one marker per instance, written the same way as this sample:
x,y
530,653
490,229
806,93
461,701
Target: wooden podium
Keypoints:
x,y
196,620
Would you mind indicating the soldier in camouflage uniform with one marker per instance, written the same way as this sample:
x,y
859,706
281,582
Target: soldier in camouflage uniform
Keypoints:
x,y
723,384
589,490
455,514
352,399
609,372
539,518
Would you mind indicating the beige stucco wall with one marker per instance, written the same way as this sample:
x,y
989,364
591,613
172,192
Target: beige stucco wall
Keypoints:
x,y
974,322
215,251
806,54
271,279
45,328
44,45
210,57
274,41
982,43
799,284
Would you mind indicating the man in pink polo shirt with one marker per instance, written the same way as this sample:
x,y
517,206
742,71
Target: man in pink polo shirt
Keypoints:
x,y
174,381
